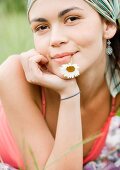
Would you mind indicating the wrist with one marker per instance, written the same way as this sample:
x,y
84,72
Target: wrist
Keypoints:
x,y
69,92
70,89
71,96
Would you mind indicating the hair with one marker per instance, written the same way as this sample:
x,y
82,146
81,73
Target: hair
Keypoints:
x,y
115,57
115,43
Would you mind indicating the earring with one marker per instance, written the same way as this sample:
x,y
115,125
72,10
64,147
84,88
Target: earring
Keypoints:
x,y
109,49
70,70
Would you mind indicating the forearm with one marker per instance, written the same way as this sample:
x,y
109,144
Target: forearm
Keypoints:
x,y
69,133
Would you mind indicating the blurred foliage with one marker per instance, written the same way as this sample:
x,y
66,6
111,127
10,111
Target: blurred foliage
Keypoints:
x,y
8,6
15,33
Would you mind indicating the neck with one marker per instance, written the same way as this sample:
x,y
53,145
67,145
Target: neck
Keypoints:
x,y
92,82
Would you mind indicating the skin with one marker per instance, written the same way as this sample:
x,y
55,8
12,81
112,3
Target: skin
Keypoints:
x,y
92,42
81,30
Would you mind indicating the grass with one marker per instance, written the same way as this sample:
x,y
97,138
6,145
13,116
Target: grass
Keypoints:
x,y
118,112
15,35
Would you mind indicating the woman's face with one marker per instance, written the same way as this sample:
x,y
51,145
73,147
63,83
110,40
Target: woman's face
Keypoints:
x,y
69,28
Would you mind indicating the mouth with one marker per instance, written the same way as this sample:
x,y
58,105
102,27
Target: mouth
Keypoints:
x,y
63,57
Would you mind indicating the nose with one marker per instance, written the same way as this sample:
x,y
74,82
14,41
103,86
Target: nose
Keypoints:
x,y
57,43
58,37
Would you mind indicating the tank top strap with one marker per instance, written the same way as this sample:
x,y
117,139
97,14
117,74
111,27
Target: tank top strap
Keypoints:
x,y
113,112
100,141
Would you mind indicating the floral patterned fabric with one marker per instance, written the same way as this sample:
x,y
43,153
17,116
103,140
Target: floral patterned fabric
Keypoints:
x,y
6,167
109,158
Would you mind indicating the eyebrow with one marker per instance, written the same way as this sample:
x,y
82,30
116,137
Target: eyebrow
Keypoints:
x,y
60,14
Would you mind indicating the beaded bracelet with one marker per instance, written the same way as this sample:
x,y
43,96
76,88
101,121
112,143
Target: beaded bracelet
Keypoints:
x,y
70,96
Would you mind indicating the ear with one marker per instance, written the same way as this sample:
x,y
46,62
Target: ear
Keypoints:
x,y
109,29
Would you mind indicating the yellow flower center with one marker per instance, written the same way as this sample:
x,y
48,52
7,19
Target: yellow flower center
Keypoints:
x,y
70,68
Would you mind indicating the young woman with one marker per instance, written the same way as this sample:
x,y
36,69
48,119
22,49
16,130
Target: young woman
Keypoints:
x,y
64,91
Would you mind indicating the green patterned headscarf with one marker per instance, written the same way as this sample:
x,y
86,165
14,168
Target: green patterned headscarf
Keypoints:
x,y
110,9
29,4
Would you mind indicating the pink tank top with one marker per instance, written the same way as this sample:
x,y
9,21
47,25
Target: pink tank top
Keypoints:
x,y
9,151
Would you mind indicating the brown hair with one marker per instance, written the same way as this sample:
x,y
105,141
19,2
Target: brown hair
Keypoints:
x,y
115,44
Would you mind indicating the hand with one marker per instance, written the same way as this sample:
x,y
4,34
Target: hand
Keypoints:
x,y
35,68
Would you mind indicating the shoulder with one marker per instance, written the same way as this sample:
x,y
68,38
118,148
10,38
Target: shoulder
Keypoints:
x,y
12,76
10,67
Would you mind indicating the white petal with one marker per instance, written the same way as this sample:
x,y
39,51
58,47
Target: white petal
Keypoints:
x,y
75,73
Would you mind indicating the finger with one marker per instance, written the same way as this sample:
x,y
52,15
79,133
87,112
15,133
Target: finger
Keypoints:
x,y
35,73
24,57
29,53
41,62
40,59
41,77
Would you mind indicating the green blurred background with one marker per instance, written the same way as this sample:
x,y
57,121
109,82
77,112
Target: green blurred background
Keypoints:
x,y
15,32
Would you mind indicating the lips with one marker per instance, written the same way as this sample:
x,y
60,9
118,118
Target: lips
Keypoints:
x,y
63,58
62,55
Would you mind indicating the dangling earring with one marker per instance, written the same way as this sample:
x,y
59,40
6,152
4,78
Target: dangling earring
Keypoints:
x,y
70,70
109,49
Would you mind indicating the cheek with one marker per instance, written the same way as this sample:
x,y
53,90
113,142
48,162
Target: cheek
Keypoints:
x,y
88,38
41,45
90,42
88,34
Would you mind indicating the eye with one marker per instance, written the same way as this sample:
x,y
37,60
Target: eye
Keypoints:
x,y
72,19
41,28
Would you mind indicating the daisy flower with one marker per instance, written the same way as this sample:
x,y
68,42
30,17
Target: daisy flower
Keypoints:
x,y
70,70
